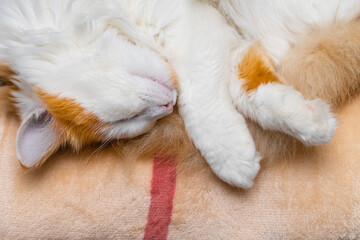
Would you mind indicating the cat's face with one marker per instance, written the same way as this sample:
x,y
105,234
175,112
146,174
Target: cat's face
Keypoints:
x,y
124,86
110,89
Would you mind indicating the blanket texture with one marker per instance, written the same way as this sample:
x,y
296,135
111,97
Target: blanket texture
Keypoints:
x,y
102,195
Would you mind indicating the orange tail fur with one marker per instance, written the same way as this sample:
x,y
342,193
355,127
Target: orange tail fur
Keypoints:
x,y
326,63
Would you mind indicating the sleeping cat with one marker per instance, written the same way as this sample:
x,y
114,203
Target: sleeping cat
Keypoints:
x,y
90,71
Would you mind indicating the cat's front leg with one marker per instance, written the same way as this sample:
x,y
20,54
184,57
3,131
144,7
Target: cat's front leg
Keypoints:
x,y
259,94
218,131
202,64
211,120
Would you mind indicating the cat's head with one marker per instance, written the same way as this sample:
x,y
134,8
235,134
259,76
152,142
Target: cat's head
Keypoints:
x,y
66,93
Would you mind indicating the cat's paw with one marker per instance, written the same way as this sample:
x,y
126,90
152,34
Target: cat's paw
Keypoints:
x,y
310,121
237,171
320,127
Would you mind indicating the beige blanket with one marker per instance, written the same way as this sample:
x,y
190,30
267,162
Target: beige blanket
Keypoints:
x,y
104,195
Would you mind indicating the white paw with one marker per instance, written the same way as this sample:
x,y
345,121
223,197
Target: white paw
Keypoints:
x,y
237,170
310,121
320,127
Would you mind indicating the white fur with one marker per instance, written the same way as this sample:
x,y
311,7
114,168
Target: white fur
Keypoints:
x,y
217,129
281,108
278,24
110,57
67,48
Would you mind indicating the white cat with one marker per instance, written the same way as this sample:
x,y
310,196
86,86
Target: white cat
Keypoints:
x,y
90,71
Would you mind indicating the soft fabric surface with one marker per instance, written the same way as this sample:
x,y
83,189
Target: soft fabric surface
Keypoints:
x,y
101,195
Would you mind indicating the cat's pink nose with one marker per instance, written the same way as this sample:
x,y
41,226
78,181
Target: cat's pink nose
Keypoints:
x,y
167,108
170,105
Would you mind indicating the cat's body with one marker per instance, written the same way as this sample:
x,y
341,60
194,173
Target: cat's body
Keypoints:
x,y
99,70
315,46
280,24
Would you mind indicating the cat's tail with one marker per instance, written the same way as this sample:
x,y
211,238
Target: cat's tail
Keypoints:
x,y
326,63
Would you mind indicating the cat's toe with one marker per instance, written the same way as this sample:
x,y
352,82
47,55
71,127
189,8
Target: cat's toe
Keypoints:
x,y
285,109
240,173
321,126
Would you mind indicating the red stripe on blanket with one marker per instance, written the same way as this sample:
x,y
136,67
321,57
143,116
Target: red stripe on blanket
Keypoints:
x,y
162,196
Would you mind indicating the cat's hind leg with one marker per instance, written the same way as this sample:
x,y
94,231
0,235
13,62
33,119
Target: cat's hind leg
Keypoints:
x,y
259,94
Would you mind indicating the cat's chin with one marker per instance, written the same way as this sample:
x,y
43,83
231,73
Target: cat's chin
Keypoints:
x,y
139,124
150,114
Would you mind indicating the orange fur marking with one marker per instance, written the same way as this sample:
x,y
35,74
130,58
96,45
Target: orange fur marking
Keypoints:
x,y
6,74
78,126
173,77
256,68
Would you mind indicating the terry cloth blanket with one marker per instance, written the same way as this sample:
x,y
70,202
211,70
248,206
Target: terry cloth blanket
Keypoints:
x,y
103,195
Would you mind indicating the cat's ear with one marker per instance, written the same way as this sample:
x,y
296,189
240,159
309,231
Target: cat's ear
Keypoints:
x,y
36,139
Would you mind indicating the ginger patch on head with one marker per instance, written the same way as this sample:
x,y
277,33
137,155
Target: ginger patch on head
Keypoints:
x,y
78,126
8,87
256,68
6,74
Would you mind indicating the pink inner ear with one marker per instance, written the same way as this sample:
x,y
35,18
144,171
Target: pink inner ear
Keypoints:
x,y
35,140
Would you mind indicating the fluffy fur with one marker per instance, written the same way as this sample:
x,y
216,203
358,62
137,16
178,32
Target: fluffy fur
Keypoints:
x,y
318,55
102,67
325,63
